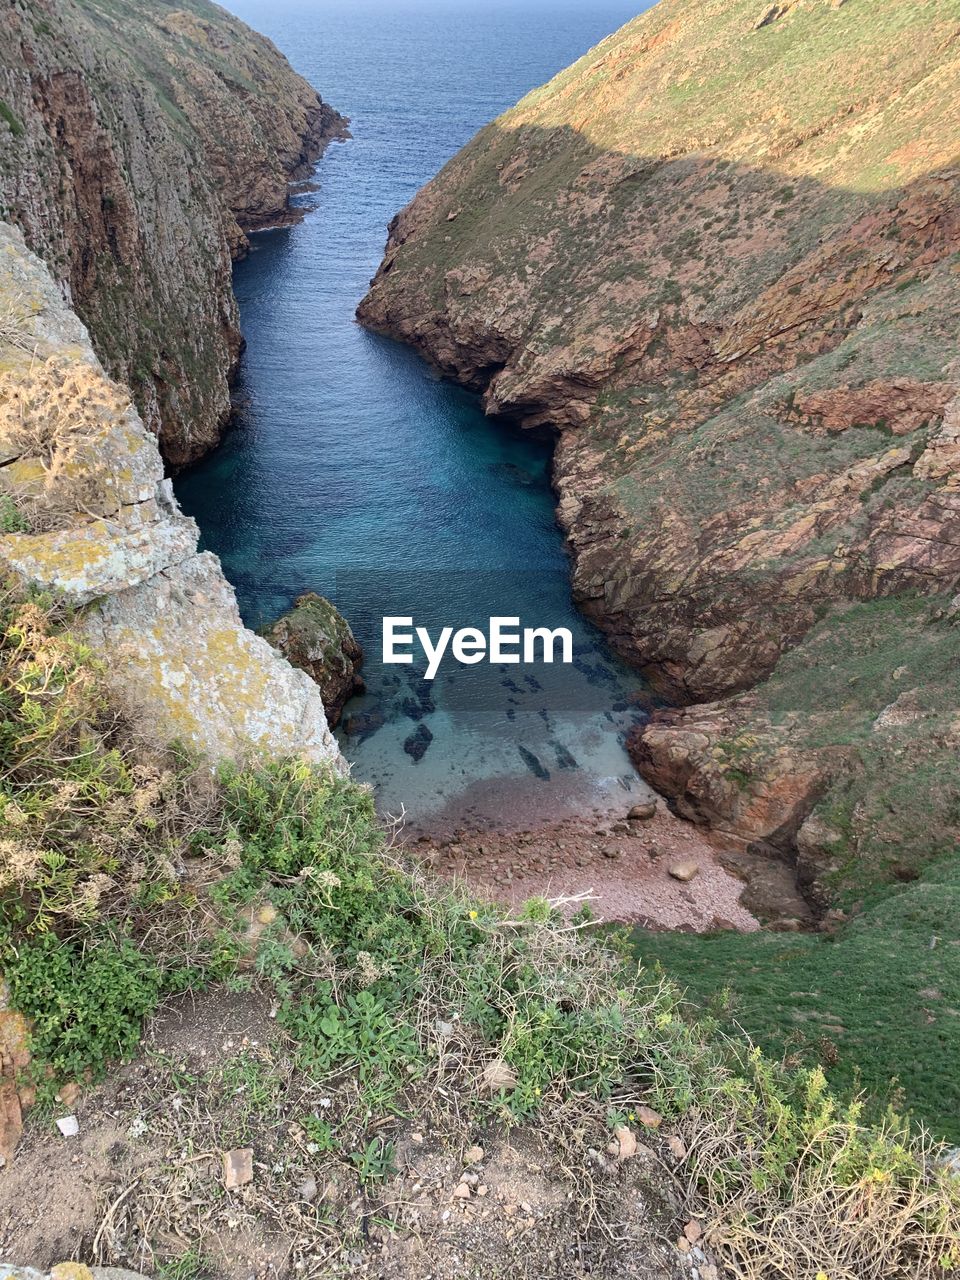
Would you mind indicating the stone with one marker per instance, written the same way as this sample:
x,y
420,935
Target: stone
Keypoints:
x,y
14,1057
315,637
693,1231
237,1167
68,1094
69,1126
643,812
626,1142
473,1155
648,1117
787,924
676,1147
308,1189
498,1075
684,871
416,745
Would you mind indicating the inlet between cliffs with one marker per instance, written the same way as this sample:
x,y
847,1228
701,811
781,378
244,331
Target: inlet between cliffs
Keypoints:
x,y
354,471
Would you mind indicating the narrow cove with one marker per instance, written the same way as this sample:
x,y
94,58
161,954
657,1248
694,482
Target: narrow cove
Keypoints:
x,y
354,471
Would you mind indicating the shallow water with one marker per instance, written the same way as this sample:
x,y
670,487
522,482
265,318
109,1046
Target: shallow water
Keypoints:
x,y
354,471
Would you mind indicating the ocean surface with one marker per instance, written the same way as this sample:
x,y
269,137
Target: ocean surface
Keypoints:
x,y
356,472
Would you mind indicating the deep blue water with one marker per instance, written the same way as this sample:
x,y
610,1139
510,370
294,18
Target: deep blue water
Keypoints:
x,y
356,472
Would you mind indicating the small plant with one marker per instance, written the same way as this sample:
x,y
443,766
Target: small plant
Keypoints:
x,y
190,1265
12,519
374,1163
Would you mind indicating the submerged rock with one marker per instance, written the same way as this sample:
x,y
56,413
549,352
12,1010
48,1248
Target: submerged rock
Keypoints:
x,y
316,637
416,745
534,763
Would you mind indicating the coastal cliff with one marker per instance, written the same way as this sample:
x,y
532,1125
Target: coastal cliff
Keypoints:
x,y
87,516
139,143
719,256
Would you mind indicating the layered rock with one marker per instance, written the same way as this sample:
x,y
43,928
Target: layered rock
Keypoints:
x,y
96,525
843,761
138,145
720,257
317,638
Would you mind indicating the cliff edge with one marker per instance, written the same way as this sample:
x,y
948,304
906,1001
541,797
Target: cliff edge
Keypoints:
x,y
139,142
86,515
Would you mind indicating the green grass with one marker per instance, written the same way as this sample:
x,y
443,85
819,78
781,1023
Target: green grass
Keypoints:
x,y
386,982
12,120
877,1005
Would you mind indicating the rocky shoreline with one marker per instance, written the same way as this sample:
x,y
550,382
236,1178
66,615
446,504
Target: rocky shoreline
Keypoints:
x,y
748,356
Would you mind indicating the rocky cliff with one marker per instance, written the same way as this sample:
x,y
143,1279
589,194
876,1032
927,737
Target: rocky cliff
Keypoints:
x,y
139,142
86,515
719,255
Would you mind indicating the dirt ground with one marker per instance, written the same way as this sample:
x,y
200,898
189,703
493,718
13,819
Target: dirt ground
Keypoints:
x,y
142,1184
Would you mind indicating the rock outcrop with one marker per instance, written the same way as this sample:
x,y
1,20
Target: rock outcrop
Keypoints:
x,y
720,258
316,637
138,145
90,518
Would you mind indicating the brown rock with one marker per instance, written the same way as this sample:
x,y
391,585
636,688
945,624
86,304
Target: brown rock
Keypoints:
x,y
14,1057
105,164
706,560
68,1094
237,1167
315,637
684,871
648,1117
626,1142
643,812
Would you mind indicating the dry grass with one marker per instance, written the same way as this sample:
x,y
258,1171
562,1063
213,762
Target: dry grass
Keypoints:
x,y
58,415
15,328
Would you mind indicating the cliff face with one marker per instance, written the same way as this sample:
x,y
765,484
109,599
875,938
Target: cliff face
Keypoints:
x,y
139,141
720,255
86,514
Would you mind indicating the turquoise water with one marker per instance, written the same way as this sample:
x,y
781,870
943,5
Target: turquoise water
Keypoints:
x,y
354,471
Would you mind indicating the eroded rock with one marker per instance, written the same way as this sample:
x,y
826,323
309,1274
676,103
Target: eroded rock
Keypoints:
x,y
110,539
315,637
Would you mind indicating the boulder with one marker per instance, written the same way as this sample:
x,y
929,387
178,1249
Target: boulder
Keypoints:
x,y
317,638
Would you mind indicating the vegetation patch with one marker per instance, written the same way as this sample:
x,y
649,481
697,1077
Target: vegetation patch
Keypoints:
x,y
125,878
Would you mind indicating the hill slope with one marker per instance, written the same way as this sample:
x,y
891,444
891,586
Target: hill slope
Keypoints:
x,y
138,142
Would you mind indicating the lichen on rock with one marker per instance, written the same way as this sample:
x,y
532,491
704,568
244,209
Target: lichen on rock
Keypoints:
x,y
315,637
105,535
